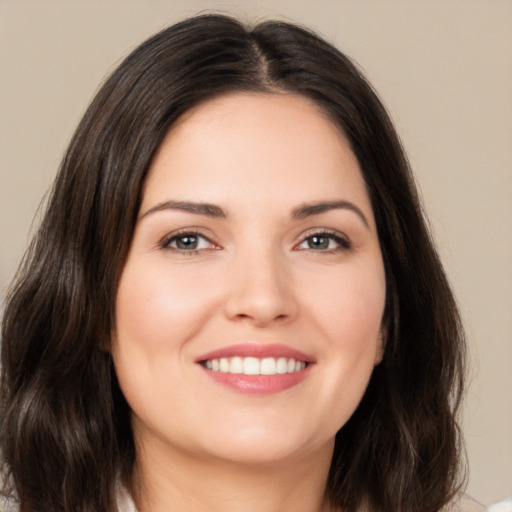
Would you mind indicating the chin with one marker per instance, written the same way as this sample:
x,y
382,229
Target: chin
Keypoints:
x,y
264,446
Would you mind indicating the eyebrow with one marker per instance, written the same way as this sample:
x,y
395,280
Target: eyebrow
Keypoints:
x,y
210,210
307,210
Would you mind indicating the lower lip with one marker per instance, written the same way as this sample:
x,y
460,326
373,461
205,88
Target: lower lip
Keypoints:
x,y
258,384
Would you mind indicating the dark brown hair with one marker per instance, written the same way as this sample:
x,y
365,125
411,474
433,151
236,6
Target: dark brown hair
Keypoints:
x,y
65,434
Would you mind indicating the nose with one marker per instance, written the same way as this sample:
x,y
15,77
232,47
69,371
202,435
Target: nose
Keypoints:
x,y
263,291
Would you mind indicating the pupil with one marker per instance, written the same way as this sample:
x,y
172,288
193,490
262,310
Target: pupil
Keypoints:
x,y
318,242
187,242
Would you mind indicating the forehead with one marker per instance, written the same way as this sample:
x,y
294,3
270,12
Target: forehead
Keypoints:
x,y
267,146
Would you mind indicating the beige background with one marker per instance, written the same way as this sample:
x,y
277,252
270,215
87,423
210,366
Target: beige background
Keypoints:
x,y
443,68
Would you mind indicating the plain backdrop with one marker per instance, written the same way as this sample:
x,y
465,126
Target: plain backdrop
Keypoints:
x,y
442,67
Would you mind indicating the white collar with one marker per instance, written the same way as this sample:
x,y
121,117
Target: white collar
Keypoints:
x,y
124,500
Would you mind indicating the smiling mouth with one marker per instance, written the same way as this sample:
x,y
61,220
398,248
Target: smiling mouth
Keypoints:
x,y
255,365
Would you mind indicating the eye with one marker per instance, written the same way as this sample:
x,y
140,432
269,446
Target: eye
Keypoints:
x,y
187,242
324,241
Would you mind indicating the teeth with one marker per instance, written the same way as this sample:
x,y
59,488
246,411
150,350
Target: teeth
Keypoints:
x,y
282,365
255,366
236,365
224,365
251,366
268,366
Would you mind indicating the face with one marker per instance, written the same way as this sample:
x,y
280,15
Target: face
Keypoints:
x,y
248,315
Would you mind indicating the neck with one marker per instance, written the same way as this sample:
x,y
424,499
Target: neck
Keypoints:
x,y
167,479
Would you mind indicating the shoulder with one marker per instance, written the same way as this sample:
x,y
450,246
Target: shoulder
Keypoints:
x,y
8,505
464,503
503,506
124,500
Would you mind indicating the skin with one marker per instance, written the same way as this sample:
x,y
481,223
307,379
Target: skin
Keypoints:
x,y
256,276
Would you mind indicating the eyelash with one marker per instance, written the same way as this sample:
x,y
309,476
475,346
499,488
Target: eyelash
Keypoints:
x,y
342,242
167,241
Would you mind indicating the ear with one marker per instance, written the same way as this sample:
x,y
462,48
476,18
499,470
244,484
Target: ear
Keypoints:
x,y
381,346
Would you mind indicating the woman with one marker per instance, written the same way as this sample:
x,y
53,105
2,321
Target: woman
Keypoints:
x,y
233,302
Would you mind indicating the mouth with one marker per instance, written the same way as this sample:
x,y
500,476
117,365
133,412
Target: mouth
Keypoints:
x,y
257,369
254,365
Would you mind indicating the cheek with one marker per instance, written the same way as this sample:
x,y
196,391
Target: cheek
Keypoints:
x,y
349,306
157,311
346,313
157,307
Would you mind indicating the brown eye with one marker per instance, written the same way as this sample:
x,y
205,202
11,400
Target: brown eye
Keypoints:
x,y
187,242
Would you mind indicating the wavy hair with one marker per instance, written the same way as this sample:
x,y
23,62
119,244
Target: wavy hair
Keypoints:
x,y
65,435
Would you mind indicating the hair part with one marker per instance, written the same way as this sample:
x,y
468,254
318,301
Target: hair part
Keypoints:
x,y
60,401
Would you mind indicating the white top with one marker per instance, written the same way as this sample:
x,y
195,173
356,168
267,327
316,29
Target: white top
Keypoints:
x,y
125,504
503,506
467,504
464,504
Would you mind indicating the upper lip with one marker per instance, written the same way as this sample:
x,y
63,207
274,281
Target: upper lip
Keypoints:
x,y
256,350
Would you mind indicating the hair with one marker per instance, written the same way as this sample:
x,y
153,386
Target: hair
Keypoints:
x,y
65,436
